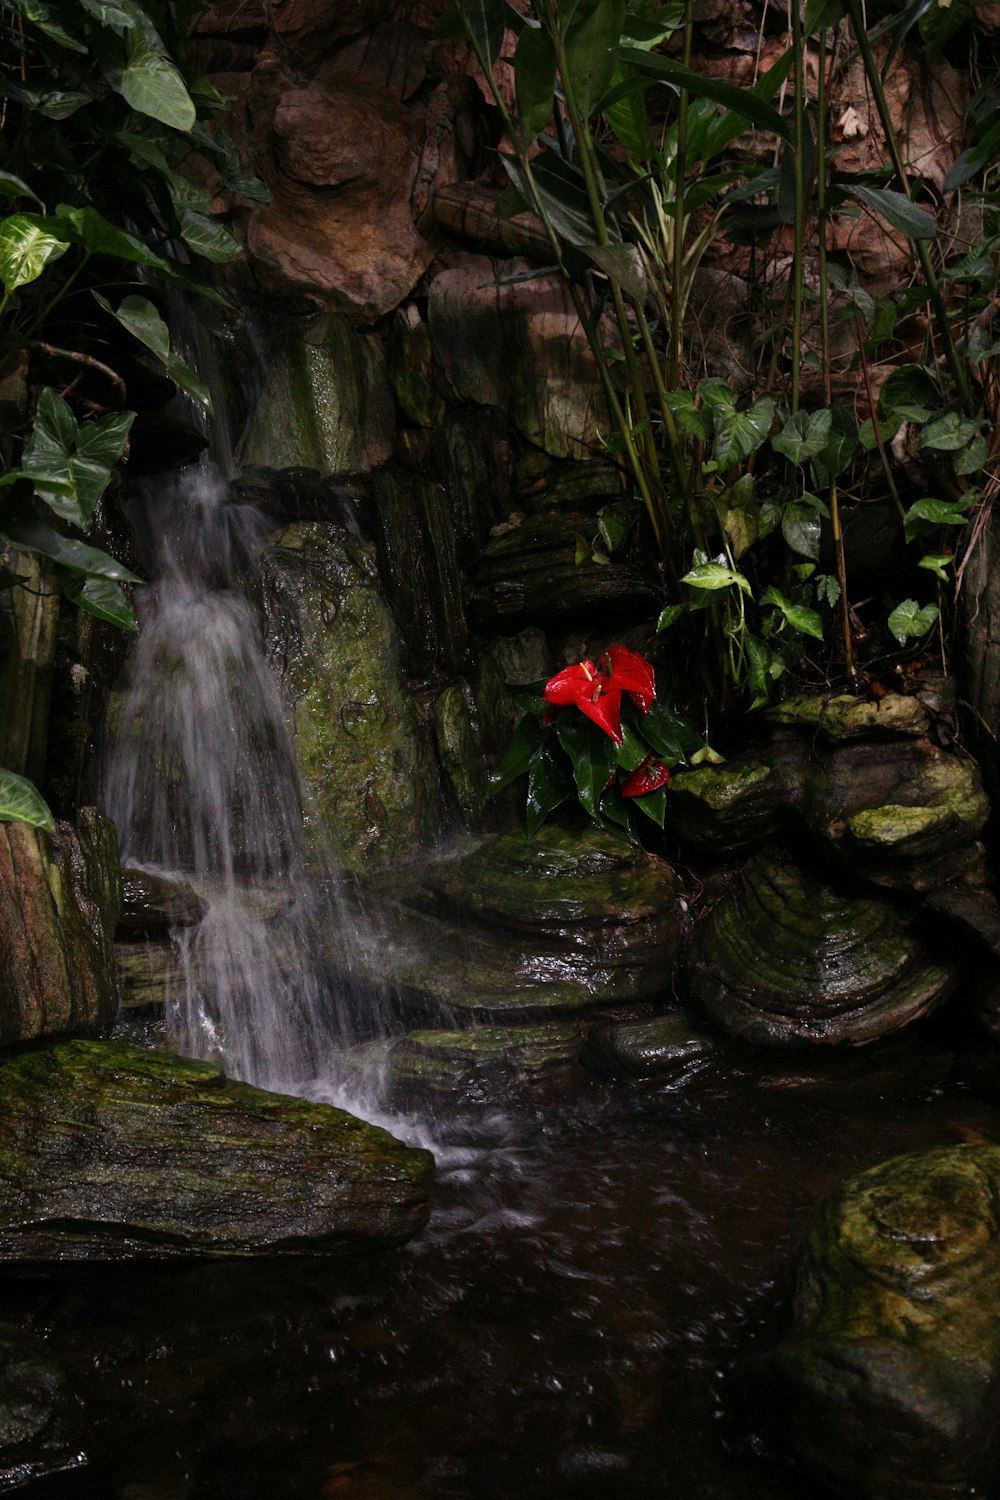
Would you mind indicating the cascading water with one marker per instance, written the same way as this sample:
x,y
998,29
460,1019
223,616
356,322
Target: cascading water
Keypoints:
x,y
201,782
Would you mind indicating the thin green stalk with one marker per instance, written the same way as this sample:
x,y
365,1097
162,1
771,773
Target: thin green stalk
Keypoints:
x,y
679,216
955,363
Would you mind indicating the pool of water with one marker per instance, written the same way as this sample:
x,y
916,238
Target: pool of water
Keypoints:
x,y
568,1324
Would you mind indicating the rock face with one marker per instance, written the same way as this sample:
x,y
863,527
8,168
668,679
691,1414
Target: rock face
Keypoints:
x,y
40,1421
109,1153
786,959
886,1384
59,901
668,1047
481,1064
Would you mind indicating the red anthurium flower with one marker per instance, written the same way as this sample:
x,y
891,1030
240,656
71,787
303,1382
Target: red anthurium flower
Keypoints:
x,y
632,674
648,777
594,693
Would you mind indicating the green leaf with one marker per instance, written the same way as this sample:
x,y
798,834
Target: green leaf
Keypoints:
x,y
46,16
668,735
592,754
32,535
26,248
614,523
524,742
208,238
669,615
82,458
549,784
739,515
153,86
839,448
937,563
802,528
109,15
142,320
99,237
927,515
970,460
715,575
737,434
632,751
487,21
21,803
13,187
897,209
803,435
101,597
624,264
691,418
909,622
565,203
589,59
805,621
534,80
827,589
654,805
742,102
949,432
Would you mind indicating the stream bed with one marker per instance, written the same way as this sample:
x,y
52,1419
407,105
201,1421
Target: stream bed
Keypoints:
x,y
566,1326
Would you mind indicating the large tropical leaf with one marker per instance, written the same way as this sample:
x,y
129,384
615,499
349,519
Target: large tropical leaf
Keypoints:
x,y
26,248
81,457
21,803
742,102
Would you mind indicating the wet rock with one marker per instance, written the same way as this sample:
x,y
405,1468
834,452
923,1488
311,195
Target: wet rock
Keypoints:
x,y
481,1064
519,347
59,902
111,1153
885,1386
326,402
558,924
152,904
864,780
661,1047
148,973
365,758
40,1419
339,223
527,574
411,369
786,959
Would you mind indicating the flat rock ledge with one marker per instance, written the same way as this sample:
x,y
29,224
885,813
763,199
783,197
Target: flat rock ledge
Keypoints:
x,y
111,1153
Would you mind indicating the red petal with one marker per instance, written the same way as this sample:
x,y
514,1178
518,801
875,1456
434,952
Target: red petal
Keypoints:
x,y
633,674
571,684
605,710
648,777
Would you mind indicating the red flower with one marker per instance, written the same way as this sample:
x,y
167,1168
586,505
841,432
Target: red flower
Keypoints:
x,y
593,692
632,674
648,777
598,692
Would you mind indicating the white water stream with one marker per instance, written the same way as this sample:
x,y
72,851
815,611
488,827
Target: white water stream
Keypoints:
x,y
201,782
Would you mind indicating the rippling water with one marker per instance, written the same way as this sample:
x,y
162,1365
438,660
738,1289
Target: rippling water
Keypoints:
x,y
565,1327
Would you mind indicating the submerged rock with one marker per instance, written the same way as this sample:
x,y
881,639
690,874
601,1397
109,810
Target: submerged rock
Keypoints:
x,y
59,902
787,959
40,1419
111,1153
152,904
885,1388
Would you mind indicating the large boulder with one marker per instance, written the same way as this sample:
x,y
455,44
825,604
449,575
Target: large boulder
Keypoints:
x,y
112,1153
59,902
885,1389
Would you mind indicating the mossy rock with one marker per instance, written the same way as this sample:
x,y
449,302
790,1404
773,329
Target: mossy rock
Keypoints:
x,y
886,1384
840,716
787,959
366,760
112,1153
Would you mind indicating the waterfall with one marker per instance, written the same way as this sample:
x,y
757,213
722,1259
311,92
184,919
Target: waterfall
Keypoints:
x,y
200,779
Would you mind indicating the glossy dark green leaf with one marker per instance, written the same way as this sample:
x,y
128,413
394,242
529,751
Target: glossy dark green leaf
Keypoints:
x,y
81,457
99,237
592,755
614,523
153,85
666,733
909,622
13,187
102,598
32,535
208,238
925,516
549,784
113,16
527,737
737,434
534,80
653,804
487,21
802,529
803,435
589,59
48,17
806,621
949,432
623,264
669,615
